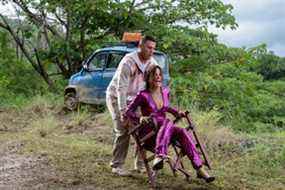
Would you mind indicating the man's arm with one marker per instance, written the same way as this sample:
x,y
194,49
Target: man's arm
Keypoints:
x,y
132,107
124,75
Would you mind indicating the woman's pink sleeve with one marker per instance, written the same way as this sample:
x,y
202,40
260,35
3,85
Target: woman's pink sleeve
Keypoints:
x,y
132,107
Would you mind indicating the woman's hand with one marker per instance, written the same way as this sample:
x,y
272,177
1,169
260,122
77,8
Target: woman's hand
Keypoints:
x,y
145,119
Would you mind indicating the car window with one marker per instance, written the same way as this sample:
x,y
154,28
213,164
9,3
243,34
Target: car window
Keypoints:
x,y
98,61
114,59
161,60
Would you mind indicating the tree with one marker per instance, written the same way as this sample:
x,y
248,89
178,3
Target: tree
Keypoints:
x,y
270,66
17,77
71,30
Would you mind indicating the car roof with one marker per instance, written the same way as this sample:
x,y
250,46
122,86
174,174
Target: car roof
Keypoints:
x,y
118,48
123,47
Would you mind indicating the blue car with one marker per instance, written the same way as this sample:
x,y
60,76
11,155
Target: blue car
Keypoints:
x,y
89,85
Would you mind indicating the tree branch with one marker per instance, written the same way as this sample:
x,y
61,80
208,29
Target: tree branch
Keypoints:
x,y
18,41
42,71
36,19
3,25
60,20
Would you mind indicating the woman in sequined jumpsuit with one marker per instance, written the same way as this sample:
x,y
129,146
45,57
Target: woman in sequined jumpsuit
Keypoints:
x,y
154,104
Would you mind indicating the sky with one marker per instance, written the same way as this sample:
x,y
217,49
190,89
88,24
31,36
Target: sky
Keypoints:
x,y
260,21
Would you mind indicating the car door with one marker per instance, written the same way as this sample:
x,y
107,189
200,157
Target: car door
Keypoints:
x,y
114,58
93,77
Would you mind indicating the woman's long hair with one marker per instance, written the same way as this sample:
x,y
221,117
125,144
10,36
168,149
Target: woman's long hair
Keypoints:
x,y
149,75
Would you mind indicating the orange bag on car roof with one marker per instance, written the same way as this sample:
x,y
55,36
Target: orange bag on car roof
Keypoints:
x,y
131,37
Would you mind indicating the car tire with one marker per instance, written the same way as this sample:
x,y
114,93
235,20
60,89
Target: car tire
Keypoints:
x,y
71,101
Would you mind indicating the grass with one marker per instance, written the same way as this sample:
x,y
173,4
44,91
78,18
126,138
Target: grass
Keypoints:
x,y
79,145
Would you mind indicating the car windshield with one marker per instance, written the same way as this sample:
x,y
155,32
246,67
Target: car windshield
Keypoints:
x,y
100,59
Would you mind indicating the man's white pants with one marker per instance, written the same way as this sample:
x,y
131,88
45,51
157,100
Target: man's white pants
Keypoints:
x,y
122,138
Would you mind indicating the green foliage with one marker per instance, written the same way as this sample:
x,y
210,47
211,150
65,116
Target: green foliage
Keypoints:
x,y
183,42
68,32
270,66
17,78
233,86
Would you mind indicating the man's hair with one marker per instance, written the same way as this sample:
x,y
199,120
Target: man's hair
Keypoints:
x,y
147,38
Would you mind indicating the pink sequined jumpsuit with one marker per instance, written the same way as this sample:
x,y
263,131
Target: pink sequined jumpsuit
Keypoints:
x,y
167,131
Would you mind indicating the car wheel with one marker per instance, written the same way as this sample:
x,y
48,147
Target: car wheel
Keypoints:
x,y
71,101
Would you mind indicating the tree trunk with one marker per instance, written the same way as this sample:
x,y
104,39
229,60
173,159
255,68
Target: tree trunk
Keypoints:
x,y
36,65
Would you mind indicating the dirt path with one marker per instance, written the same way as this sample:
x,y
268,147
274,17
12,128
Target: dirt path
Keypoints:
x,y
18,171
23,172
28,172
